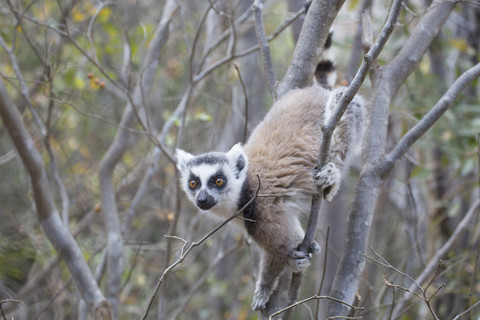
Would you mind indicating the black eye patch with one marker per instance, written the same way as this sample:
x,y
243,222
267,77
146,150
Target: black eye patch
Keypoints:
x,y
217,180
194,182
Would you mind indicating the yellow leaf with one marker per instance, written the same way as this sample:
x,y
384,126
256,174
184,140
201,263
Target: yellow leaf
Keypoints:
x,y
353,4
242,314
84,151
79,168
104,14
79,82
128,160
78,16
460,44
8,70
425,66
141,280
73,144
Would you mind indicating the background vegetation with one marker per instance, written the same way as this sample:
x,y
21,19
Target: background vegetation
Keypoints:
x,y
107,89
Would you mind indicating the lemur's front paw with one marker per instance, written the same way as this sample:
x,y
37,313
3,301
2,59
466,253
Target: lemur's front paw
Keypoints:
x,y
300,260
328,179
260,298
314,247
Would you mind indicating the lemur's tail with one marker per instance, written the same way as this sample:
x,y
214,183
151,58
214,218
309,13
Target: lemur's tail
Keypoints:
x,y
325,73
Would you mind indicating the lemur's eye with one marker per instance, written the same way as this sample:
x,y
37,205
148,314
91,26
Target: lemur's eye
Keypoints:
x,y
219,182
192,184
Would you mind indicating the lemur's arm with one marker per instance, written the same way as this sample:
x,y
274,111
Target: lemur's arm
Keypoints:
x,y
348,133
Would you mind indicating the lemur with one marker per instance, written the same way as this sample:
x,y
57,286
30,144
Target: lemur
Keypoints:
x,y
277,166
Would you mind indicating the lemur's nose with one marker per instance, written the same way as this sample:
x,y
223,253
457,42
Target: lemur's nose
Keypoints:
x,y
205,201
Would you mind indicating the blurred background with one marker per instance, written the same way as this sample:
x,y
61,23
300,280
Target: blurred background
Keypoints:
x,y
73,68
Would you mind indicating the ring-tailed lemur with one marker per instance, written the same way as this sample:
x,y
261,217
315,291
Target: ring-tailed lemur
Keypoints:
x,y
282,151
282,154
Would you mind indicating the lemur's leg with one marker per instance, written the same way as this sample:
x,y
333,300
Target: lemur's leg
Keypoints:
x,y
349,131
272,264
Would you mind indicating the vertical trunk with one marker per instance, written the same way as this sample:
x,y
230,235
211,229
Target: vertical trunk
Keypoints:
x,y
359,221
115,151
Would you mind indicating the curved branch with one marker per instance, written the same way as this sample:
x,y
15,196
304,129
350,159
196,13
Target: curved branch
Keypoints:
x,y
58,234
431,117
442,252
386,81
115,152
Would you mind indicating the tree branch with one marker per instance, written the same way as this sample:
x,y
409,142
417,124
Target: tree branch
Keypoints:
x,y
312,298
188,247
415,47
53,228
116,150
264,48
366,194
340,108
432,265
358,80
431,117
314,33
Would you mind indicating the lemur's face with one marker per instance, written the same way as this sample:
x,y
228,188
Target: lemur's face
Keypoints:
x,y
213,180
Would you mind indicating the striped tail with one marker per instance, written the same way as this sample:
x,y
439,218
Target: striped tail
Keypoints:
x,y
325,74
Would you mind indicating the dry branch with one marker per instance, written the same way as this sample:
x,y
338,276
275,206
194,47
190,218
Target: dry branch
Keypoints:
x,y
361,75
386,81
432,265
313,298
116,150
189,246
264,48
58,234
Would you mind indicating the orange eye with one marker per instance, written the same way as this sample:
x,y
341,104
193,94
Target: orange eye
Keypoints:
x,y
219,182
192,184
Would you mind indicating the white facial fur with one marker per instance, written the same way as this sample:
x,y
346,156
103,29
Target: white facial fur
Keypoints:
x,y
233,166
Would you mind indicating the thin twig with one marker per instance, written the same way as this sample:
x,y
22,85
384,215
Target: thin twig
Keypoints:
x,y
423,297
194,43
431,117
213,265
313,298
7,301
89,30
319,292
387,264
188,246
467,311
392,285
203,73
432,265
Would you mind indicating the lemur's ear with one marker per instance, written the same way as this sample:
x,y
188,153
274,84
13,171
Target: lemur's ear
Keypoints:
x,y
182,158
237,159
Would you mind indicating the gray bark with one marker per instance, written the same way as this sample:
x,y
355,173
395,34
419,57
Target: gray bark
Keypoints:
x,y
115,151
314,33
386,82
58,234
